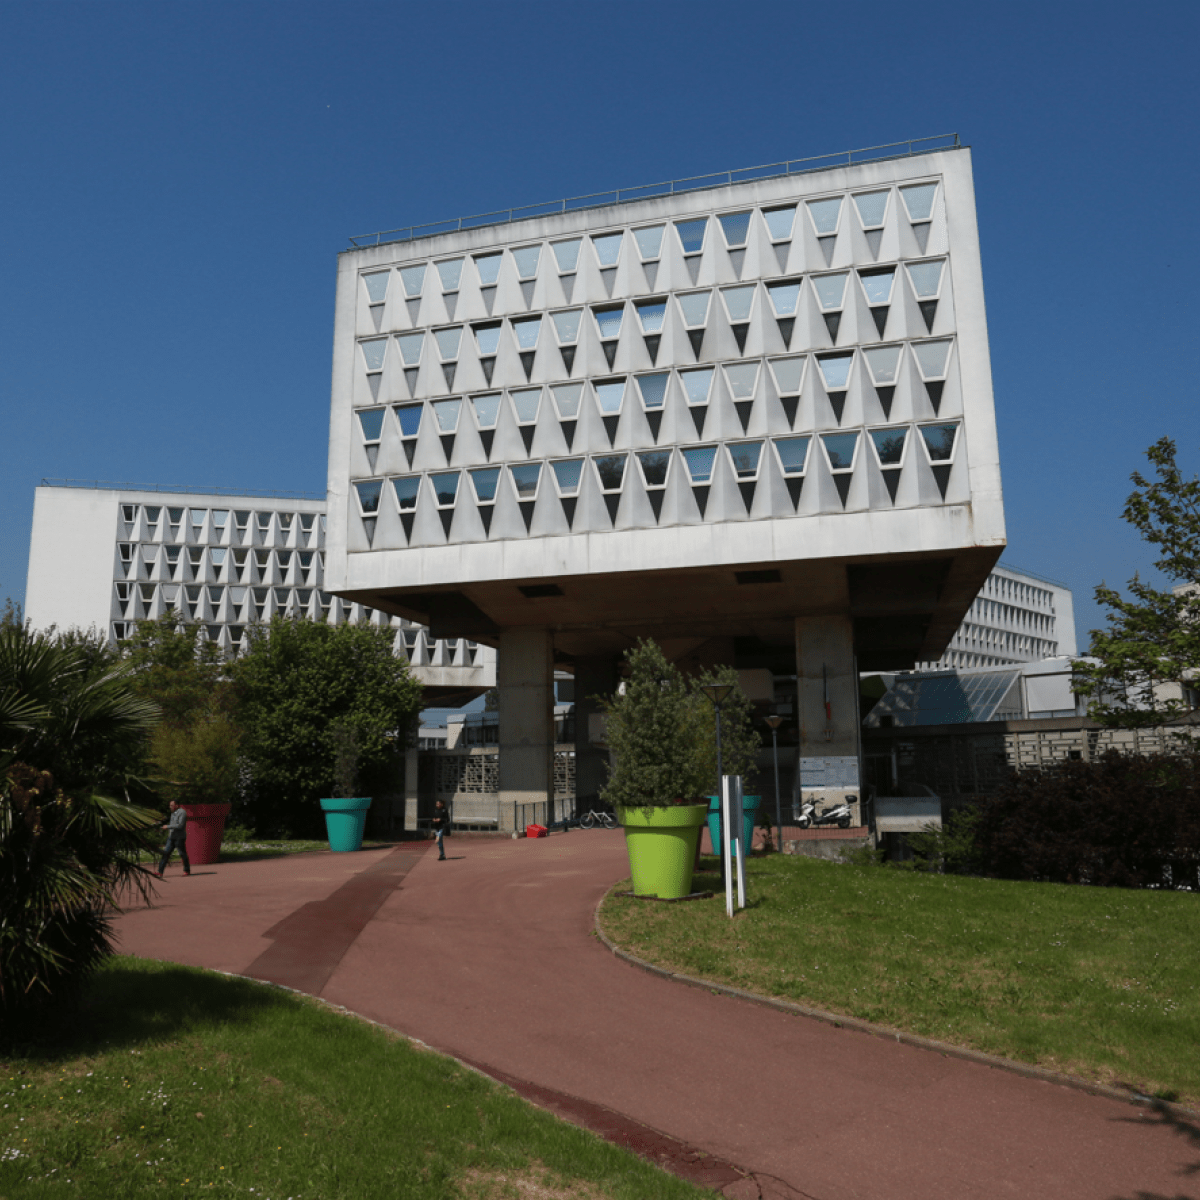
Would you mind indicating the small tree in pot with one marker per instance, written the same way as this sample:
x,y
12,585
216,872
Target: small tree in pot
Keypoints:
x,y
658,771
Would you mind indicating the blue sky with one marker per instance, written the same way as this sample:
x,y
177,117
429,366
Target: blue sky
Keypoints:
x,y
179,178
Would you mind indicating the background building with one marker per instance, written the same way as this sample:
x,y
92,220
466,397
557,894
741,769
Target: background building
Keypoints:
x,y
751,420
106,557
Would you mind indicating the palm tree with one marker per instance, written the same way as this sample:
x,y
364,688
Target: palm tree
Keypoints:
x,y
72,736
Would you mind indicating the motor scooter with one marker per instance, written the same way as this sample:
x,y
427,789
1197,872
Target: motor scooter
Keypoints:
x,y
807,814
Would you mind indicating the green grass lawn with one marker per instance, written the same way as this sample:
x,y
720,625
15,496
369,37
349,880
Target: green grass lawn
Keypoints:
x,y
178,1081
1099,982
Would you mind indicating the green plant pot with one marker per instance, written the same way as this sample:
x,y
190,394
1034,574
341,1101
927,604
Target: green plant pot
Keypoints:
x,y
661,843
345,821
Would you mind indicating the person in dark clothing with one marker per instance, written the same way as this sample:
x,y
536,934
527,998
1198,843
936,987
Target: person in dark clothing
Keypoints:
x,y
176,828
441,822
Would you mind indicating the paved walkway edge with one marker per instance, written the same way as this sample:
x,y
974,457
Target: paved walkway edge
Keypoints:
x,y
1028,1070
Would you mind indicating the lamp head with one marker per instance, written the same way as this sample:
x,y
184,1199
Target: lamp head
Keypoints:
x,y
774,720
717,692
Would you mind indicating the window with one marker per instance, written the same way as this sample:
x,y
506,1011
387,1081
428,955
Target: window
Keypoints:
x,y
825,215
742,379
649,242
932,358
918,200
939,441
792,454
566,398
694,308
872,208
409,416
527,329
566,325
568,473
653,389
526,402
926,278
608,320
306,522
784,297
410,348
608,248
691,234
651,314
526,478
371,422
450,273
445,487
446,413
197,515
831,290
196,556
789,374
217,555
654,465
368,499
609,395
125,551
697,384
373,352
877,285
129,513
835,370
699,461
449,340
738,301
488,266
840,450
610,471
566,254
526,260
745,457
735,227
413,279
889,446
883,362
406,489
485,480
153,512
487,409
779,222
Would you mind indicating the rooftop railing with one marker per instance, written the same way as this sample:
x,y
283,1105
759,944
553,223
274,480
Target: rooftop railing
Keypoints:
x,y
105,485
671,187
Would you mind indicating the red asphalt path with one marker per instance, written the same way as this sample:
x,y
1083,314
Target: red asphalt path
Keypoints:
x,y
490,957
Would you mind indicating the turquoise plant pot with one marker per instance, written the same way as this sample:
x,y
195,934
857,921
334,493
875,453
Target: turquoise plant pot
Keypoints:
x,y
345,821
750,806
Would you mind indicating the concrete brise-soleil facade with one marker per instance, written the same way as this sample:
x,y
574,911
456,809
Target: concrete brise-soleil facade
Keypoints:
x,y
108,557
752,421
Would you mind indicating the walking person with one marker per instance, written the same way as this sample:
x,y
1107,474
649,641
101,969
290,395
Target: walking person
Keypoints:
x,y
176,828
441,822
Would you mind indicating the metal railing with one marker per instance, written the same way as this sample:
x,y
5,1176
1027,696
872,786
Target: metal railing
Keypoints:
x,y
670,187
178,488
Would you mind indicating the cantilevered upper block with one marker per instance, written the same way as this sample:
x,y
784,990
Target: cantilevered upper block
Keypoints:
x,y
782,374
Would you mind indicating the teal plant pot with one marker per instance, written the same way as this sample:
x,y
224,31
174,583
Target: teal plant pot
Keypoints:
x,y
750,807
345,821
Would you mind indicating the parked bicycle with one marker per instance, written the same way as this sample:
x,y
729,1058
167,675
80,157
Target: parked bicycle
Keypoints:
x,y
590,820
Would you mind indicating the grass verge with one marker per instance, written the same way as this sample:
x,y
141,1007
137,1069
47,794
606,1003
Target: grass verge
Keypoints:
x,y
178,1081
1098,982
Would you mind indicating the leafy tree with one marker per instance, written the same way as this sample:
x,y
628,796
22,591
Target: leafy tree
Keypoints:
x,y
11,616
299,682
72,734
1148,655
662,733
196,762
178,668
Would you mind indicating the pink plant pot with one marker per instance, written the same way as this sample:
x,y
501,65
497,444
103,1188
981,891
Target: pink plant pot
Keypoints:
x,y
205,828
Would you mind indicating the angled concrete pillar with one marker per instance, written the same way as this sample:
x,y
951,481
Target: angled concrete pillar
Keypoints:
x,y
827,708
594,676
525,681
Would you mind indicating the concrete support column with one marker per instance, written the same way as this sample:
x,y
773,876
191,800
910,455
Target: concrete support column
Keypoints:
x,y
525,681
594,676
410,784
827,709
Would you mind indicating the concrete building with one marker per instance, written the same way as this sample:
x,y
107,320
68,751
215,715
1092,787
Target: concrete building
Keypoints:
x,y
1018,617
106,557
750,417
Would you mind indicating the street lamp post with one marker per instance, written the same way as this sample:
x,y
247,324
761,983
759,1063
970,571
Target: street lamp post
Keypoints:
x,y
774,721
717,693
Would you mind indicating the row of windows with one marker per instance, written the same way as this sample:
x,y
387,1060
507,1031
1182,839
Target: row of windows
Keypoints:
x,y
829,291
883,364
217,555
745,459
218,518
778,223
994,611
1014,589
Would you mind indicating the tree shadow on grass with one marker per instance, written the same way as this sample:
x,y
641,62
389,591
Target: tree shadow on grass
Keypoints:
x,y
130,1002
1181,1126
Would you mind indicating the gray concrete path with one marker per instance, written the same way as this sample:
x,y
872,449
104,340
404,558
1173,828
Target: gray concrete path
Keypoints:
x,y
490,957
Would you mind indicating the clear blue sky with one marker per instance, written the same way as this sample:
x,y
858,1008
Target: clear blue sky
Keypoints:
x,y
178,179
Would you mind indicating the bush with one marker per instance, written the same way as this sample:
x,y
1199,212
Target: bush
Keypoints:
x,y
1124,821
